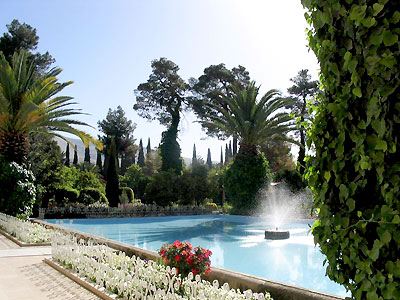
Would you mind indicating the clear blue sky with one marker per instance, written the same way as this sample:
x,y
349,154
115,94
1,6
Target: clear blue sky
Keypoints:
x,y
106,48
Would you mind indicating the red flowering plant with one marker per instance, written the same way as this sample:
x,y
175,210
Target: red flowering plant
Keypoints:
x,y
185,258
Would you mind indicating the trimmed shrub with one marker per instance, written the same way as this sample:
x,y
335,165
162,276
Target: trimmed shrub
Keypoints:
x,y
128,192
244,177
91,195
355,174
65,195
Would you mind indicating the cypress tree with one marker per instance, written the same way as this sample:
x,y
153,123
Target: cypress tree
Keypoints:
x,y
148,148
87,154
112,185
222,158
230,150
194,157
67,162
234,152
226,154
141,155
98,160
75,161
209,162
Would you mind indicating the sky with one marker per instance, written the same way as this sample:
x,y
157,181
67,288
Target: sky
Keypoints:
x,y
106,48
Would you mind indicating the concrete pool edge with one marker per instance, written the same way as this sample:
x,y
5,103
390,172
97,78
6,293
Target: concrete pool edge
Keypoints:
x,y
278,290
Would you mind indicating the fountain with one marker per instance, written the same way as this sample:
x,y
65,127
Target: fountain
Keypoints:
x,y
277,234
281,204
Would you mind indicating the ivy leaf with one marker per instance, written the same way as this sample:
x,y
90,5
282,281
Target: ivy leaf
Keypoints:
x,y
396,219
381,145
344,192
388,61
377,8
396,17
357,92
389,38
351,204
385,237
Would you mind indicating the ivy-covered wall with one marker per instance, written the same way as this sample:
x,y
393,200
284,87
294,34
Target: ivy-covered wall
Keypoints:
x,y
355,173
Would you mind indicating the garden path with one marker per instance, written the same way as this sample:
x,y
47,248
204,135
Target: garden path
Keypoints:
x,y
24,275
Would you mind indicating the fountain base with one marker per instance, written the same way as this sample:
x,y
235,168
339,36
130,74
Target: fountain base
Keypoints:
x,y
277,234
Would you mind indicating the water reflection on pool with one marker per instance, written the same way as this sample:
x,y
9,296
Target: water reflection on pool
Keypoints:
x,y
237,243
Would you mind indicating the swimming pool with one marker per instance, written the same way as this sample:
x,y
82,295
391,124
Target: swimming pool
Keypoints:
x,y
237,243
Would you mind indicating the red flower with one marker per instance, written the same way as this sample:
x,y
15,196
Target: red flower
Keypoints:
x,y
189,260
177,258
208,271
195,271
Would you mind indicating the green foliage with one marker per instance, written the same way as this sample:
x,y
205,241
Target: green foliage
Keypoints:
x,y
45,161
355,174
18,192
215,182
136,180
244,177
112,185
194,187
164,189
292,179
277,152
127,192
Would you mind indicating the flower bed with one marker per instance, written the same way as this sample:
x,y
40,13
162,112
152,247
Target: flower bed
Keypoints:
x,y
25,231
134,278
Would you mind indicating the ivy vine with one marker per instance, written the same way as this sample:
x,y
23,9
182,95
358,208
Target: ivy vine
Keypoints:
x,y
355,173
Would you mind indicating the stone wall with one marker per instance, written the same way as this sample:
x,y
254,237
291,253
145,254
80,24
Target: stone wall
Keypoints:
x,y
119,212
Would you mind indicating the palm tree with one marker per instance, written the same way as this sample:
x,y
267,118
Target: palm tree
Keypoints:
x,y
28,104
252,122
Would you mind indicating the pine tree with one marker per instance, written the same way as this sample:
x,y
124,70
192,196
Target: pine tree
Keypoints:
x,y
98,161
209,162
112,185
67,162
148,148
87,155
75,161
140,161
194,157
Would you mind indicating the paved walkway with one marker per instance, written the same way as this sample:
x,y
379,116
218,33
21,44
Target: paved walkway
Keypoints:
x,y
24,276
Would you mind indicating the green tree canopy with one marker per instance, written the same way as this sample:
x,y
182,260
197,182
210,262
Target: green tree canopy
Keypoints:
x,y
163,98
23,37
207,90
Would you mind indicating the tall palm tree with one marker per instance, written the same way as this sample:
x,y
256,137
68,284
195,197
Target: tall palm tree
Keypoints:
x,y
251,121
28,103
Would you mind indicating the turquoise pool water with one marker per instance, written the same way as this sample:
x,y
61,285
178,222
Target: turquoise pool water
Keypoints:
x,y
237,243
